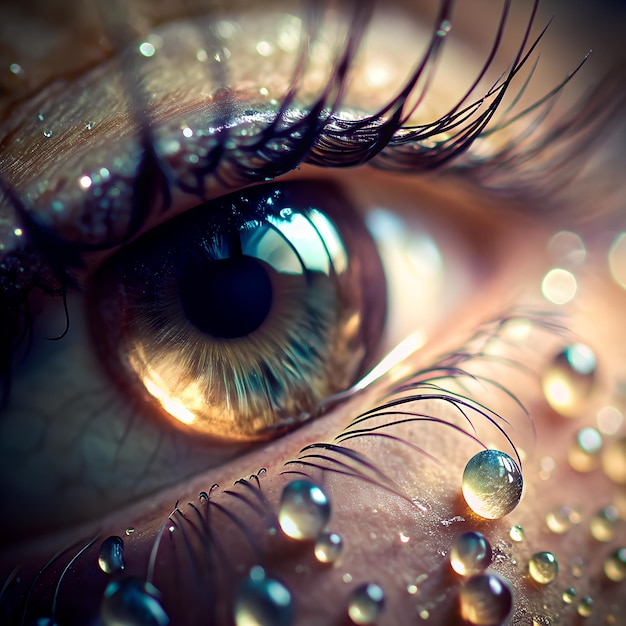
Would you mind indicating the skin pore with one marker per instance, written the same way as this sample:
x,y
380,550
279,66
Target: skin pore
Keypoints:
x,y
400,515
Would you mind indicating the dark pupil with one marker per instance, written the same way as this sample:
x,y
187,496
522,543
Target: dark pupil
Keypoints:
x,y
227,297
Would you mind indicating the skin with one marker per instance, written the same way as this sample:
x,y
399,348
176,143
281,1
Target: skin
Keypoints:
x,y
494,231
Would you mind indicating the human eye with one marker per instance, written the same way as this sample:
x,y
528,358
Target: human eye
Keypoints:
x,y
474,347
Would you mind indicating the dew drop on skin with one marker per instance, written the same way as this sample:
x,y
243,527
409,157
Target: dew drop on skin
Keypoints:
x,y
485,600
263,601
470,554
543,568
111,556
366,604
569,380
492,484
132,601
304,510
328,547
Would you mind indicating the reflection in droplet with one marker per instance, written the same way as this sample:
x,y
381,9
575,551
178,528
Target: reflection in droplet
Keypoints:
x,y
568,380
492,484
304,510
485,600
543,567
110,558
366,604
328,547
132,602
470,554
263,601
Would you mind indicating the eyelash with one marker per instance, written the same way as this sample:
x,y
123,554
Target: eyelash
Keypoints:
x,y
42,260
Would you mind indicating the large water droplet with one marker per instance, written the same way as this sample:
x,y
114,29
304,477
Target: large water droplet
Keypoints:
x,y
304,510
470,554
263,601
492,484
485,600
366,604
111,555
132,602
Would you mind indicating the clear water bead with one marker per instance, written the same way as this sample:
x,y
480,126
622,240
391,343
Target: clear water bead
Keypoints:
x,y
328,547
603,524
470,554
517,534
263,601
492,484
132,602
614,461
569,595
585,606
111,556
366,604
569,379
485,600
615,566
543,567
304,510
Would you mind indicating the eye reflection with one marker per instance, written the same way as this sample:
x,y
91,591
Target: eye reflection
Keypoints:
x,y
373,523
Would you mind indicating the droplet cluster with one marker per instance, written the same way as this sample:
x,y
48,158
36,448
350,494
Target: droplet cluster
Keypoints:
x,y
492,484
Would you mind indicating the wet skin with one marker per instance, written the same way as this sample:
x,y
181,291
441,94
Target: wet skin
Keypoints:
x,y
395,529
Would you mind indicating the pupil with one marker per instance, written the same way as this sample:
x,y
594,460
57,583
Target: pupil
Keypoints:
x,y
227,298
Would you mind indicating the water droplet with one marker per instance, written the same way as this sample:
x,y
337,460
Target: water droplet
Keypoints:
x,y
615,565
560,520
16,69
614,461
492,484
602,524
47,133
485,600
577,567
585,606
444,28
347,577
568,381
424,614
366,604
263,601
517,533
328,547
304,510
569,595
470,554
89,125
129,531
543,567
132,602
111,555
583,454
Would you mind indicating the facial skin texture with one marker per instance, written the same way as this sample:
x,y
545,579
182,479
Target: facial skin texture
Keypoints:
x,y
397,532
